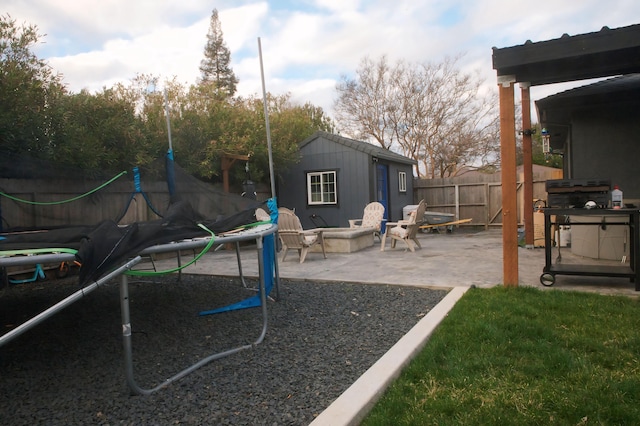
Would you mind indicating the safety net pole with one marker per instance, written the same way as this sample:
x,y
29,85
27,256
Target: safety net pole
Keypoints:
x,y
271,173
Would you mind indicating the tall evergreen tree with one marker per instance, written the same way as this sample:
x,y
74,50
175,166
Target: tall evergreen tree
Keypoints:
x,y
215,67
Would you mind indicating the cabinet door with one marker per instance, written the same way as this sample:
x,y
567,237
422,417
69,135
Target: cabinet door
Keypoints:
x,y
584,238
613,241
609,242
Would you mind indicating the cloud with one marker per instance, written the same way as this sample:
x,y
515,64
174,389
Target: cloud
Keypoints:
x,y
307,45
160,52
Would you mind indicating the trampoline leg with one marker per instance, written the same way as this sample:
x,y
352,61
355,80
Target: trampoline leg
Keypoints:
x,y
275,260
275,268
263,290
127,330
27,325
244,284
179,267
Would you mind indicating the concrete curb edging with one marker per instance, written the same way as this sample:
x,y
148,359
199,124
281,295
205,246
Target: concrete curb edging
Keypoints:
x,y
354,403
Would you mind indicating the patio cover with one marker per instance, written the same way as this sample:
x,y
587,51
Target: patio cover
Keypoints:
x,y
606,53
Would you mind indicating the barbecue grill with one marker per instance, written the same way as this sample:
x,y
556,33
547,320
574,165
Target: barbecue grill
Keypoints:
x,y
567,193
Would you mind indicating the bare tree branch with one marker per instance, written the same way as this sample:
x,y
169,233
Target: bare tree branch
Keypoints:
x,y
431,112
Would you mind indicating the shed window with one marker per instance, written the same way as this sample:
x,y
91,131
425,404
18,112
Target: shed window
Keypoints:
x,y
321,188
402,181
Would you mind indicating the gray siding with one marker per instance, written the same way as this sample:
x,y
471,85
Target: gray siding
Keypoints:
x,y
598,127
397,199
606,145
352,178
355,178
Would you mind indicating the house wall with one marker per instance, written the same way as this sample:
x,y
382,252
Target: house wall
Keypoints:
x,y
606,145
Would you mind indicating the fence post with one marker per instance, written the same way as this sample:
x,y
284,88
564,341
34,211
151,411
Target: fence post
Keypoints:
x,y
457,197
487,206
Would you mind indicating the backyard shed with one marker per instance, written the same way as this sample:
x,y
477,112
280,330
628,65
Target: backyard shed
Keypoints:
x,y
338,176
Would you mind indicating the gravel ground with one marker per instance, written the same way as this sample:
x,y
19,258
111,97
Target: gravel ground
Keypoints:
x,y
321,338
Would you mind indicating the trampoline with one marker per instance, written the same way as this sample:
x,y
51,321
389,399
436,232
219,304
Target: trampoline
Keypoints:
x,y
197,217
262,234
110,250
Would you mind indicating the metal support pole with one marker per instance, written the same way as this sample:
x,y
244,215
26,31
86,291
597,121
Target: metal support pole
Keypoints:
x,y
166,107
271,173
527,165
266,122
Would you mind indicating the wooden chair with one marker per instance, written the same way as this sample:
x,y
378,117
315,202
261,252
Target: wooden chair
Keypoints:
x,y
294,237
371,218
406,230
262,215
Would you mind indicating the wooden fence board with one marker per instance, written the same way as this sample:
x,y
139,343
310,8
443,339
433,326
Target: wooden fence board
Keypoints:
x,y
478,197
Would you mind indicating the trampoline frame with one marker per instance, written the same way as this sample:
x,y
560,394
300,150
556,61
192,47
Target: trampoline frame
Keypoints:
x,y
256,234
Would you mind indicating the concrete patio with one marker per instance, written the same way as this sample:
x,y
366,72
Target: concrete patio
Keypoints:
x,y
445,261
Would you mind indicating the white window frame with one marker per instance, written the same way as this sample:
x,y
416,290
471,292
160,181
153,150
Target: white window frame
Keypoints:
x,y
328,185
402,181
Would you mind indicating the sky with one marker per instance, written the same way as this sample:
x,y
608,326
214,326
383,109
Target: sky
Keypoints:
x,y
307,45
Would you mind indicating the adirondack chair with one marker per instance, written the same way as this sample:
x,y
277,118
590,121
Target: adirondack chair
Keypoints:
x,y
406,230
294,237
262,215
371,218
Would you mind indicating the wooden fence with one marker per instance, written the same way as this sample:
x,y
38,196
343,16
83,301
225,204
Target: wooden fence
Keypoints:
x,y
478,197
43,207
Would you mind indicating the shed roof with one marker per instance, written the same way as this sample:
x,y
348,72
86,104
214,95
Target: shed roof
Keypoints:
x,y
365,147
605,53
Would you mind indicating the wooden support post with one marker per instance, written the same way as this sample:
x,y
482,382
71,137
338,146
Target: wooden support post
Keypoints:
x,y
509,192
226,166
226,163
527,165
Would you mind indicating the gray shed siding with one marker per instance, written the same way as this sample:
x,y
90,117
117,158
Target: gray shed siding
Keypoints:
x,y
356,183
353,183
397,199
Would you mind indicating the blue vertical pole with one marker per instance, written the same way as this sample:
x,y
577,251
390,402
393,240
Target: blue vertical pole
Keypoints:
x,y
171,176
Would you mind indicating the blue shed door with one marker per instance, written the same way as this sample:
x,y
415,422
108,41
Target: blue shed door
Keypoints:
x,y
382,188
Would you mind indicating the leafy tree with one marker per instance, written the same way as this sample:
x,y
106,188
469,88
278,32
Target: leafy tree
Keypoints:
x,y
213,127
101,132
432,112
290,124
125,126
215,68
29,91
538,156
205,126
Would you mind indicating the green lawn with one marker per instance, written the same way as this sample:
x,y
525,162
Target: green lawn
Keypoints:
x,y
522,356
